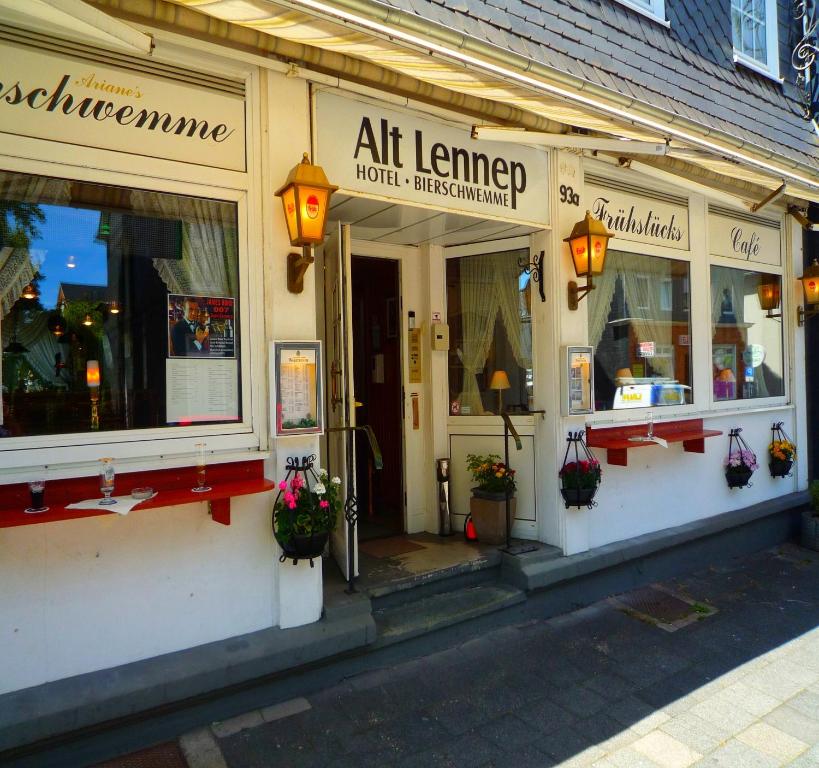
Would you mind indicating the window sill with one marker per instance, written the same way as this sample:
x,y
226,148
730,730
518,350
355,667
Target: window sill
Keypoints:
x,y
173,487
646,12
755,66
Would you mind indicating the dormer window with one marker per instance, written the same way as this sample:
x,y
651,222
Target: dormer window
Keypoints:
x,y
754,32
654,9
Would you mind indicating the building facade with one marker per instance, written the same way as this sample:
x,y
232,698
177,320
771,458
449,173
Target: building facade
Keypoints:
x,y
143,143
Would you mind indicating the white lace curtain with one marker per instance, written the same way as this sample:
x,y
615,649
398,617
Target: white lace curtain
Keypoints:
x,y
489,287
209,243
727,294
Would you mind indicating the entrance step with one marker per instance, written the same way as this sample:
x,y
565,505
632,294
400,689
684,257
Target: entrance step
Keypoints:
x,y
402,622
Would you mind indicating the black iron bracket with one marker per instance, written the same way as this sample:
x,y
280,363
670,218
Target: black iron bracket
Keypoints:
x,y
535,269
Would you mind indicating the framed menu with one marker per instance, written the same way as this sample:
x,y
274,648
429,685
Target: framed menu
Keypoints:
x,y
298,398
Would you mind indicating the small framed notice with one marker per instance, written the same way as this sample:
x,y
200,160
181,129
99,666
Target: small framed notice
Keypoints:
x,y
578,381
298,399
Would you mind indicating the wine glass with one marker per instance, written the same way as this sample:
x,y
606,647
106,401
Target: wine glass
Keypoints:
x,y
200,470
107,474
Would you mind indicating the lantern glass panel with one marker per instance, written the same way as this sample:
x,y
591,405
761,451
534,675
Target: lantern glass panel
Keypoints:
x,y
312,202
811,287
598,253
289,205
580,255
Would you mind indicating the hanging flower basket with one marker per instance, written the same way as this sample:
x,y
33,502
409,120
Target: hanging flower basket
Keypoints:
x,y
781,452
741,461
305,510
580,474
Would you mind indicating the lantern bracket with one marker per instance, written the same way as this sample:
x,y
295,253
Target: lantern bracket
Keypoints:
x,y
297,266
535,269
578,292
802,314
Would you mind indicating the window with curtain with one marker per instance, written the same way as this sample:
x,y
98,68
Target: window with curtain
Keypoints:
x,y
490,333
746,348
119,308
640,328
754,33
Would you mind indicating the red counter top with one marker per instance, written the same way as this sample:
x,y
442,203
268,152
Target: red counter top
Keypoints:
x,y
616,441
173,487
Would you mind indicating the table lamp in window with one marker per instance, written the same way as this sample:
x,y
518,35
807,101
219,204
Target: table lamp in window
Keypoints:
x,y
499,382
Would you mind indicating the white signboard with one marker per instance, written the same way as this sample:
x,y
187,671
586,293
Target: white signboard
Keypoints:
x,y
638,218
747,238
56,97
408,158
201,389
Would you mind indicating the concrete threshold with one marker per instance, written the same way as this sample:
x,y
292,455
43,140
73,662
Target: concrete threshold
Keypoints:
x,y
534,585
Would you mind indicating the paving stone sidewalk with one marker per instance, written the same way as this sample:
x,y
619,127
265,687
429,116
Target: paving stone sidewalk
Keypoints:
x,y
599,687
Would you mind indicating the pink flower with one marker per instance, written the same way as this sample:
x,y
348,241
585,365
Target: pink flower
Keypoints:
x,y
324,504
289,497
296,482
282,485
292,505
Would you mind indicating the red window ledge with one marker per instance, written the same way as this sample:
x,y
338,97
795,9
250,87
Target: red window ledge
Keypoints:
x,y
616,441
173,487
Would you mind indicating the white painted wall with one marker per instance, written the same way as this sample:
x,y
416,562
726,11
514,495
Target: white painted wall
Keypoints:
x,y
93,593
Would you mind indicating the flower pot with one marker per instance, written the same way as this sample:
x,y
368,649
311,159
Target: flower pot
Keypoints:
x,y
578,497
780,467
305,547
488,512
810,530
738,477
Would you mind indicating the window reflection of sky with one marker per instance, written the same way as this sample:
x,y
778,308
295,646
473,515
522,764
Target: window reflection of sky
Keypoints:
x,y
68,232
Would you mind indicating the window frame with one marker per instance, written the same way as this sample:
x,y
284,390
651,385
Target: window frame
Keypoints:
x,y
655,10
477,249
696,406
75,454
755,403
770,67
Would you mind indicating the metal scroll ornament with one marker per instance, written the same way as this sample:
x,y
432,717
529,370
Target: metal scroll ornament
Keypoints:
x,y
804,56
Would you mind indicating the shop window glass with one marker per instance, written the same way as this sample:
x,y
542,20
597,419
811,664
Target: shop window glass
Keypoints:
x,y
746,345
133,321
640,328
490,331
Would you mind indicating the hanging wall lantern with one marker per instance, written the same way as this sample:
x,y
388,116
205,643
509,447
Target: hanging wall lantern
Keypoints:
x,y
810,286
588,244
769,291
305,197
30,292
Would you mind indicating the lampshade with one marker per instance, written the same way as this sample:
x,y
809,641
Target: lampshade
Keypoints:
x,y
499,380
30,292
56,324
113,307
588,243
769,292
305,197
810,283
92,373
88,320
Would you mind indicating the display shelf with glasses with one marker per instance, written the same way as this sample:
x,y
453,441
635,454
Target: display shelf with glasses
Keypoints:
x,y
172,486
618,440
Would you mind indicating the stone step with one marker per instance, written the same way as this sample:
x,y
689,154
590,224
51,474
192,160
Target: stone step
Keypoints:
x,y
428,614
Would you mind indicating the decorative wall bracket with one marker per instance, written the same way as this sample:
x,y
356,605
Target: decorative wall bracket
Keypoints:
x,y
297,265
803,58
535,269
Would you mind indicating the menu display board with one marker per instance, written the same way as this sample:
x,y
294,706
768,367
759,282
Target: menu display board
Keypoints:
x,y
297,390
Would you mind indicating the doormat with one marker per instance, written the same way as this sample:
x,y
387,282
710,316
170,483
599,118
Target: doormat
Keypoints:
x,y
167,755
382,548
657,605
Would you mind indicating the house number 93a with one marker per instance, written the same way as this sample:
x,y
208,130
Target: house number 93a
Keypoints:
x,y
568,195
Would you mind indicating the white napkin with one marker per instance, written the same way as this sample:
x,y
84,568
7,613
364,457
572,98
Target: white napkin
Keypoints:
x,y
123,506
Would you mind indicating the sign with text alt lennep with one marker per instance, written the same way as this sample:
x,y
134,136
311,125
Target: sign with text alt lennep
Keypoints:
x,y
410,157
90,104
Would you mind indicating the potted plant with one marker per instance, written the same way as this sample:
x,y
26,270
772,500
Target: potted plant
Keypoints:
x,y
579,481
781,455
488,503
810,520
303,516
739,466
